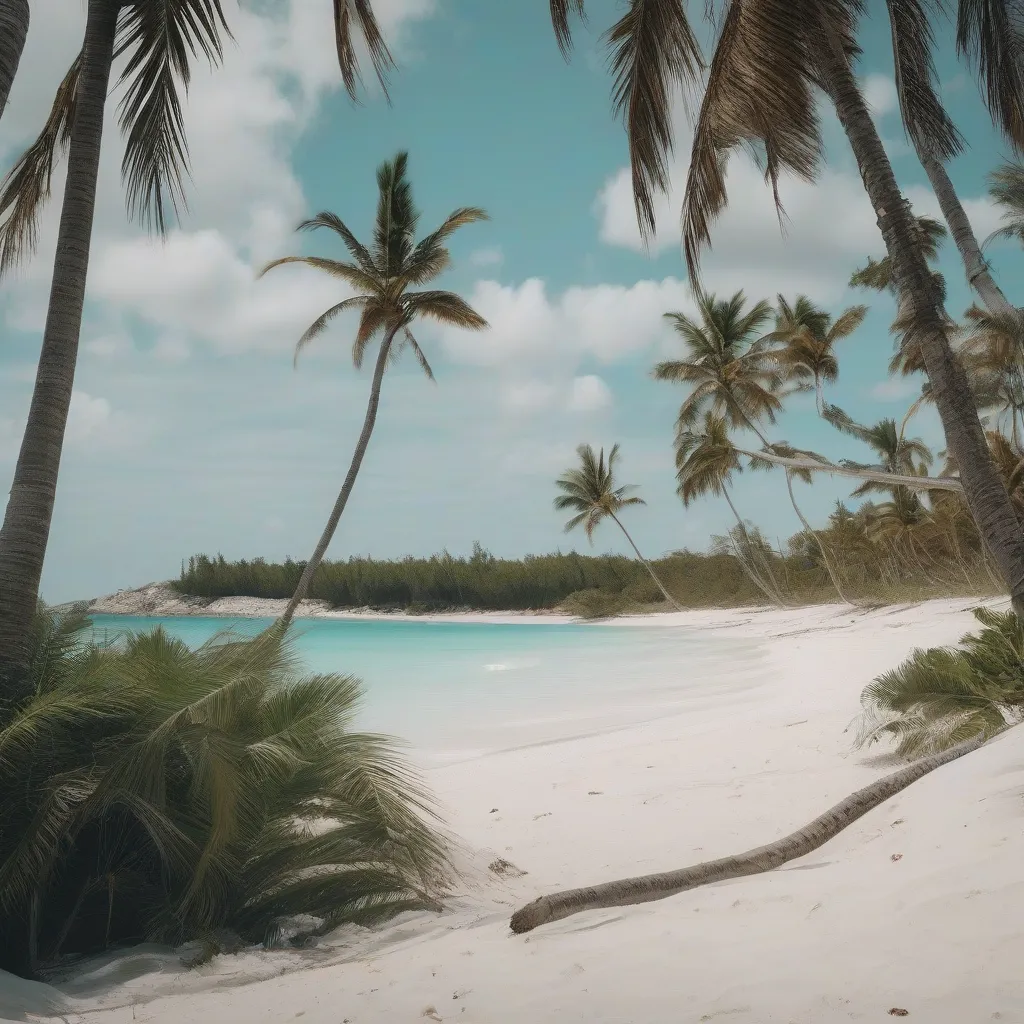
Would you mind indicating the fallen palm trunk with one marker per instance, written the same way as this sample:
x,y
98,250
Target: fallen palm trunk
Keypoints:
x,y
645,888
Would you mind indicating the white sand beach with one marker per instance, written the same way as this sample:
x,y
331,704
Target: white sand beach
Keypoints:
x,y
917,907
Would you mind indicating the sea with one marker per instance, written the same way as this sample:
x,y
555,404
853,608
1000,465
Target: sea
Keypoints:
x,y
453,691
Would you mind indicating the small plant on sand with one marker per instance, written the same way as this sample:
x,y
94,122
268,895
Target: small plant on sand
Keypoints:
x,y
942,696
149,792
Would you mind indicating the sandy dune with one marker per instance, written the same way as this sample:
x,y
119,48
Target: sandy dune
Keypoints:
x,y
917,907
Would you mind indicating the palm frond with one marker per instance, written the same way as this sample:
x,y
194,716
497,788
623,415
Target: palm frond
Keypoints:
x,y
396,219
26,187
321,323
445,307
913,42
356,19
350,273
652,50
429,258
561,12
159,39
331,221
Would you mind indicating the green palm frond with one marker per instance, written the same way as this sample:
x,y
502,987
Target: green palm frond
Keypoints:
x,y
26,187
321,323
705,459
159,41
429,258
350,273
590,490
445,307
331,221
941,696
395,223
1006,187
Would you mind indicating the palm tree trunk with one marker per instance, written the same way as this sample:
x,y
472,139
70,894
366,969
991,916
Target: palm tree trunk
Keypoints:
x,y
26,525
814,537
986,495
14,17
647,565
769,591
919,483
978,276
346,488
645,888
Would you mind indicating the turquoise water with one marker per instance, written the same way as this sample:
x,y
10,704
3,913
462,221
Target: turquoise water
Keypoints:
x,y
456,690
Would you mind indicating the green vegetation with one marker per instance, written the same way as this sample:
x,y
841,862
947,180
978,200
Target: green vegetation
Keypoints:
x,y
150,792
943,696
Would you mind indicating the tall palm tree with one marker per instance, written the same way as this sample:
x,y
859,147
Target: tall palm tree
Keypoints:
x,y
157,42
384,274
14,20
589,490
705,462
728,363
809,337
992,351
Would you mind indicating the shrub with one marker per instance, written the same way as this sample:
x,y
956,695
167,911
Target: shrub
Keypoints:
x,y
942,696
151,792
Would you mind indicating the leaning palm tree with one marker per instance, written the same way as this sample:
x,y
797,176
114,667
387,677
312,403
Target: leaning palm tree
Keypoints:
x,y
728,363
384,275
156,43
589,490
705,462
809,337
14,20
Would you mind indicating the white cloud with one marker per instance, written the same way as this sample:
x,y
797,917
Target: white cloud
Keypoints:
x,y
490,256
880,94
86,415
528,396
589,394
896,389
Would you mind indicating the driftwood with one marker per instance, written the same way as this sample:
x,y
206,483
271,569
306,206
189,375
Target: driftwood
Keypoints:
x,y
645,888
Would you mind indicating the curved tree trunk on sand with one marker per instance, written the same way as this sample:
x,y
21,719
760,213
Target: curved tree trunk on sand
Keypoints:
x,y
346,488
26,526
978,276
14,18
646,888
965,438
647,565
809,531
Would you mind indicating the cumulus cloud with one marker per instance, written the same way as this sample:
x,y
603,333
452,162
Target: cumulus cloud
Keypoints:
x,y
86,415
589,394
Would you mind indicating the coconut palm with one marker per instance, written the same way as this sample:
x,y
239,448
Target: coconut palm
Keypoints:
x,y
152,792
992,351
1006,187
809,336
14,20
728,363
156,42
897,454
384,274
589,491
705,462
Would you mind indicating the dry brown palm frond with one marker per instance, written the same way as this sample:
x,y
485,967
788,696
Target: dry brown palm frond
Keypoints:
x,y
350,17
27,185
561,12
991,32
924,118
653,49
758,94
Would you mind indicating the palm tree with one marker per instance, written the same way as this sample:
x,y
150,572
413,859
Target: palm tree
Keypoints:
x,y
992,351
809,337
1006,187
152,792
769,59
14,20
705,461
728,364
897,454
157,41
590,492
383,274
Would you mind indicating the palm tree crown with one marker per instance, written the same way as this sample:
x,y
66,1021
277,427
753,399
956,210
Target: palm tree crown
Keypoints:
x,y
728,363
590,490
384,271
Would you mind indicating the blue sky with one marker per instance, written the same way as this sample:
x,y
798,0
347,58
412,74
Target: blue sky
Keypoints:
x,y
190,430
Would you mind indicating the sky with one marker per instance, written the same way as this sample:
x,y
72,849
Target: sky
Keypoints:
x,y
190,430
